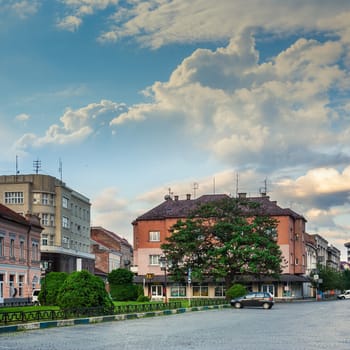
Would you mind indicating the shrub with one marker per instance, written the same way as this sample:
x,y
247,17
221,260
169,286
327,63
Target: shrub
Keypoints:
x,y
82,289
124,292
237,290
142,298
50,287
120,276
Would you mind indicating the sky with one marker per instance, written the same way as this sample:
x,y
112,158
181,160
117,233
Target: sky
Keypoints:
x,y
138,99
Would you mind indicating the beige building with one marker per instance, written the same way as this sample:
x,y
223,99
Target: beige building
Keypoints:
x,y
64,214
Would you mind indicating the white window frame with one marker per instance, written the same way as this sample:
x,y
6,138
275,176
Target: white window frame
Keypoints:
x,y
65,202
154,259
154,236
14,197
65,222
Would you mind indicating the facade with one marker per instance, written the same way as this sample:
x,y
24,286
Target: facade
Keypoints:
x,y
333,257
152,228
111,251
64,214
19,256
347,246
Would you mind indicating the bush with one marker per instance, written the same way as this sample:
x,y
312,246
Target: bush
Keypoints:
x,y
50,287
82,289
124,292
142,298
237,290
120,276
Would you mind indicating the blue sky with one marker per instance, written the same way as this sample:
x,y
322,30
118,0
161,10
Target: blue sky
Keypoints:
x,y
139,97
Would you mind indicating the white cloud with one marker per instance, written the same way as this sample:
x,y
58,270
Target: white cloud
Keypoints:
x,y
76,125
239,109
70,23
21,8
22,117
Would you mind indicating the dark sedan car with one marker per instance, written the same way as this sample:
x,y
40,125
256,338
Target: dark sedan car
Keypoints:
x,y
254,299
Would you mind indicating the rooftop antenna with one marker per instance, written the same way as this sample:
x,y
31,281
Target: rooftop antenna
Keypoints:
x,y
214,185
263,190
237,180
37,165
17,171
195,187
60,170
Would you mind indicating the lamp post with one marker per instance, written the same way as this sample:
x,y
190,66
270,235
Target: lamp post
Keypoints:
x,y
163,266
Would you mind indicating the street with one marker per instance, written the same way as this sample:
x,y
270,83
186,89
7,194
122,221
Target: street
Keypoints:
x,y
287,326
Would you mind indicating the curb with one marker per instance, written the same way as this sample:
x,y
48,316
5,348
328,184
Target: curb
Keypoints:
x,y
100,319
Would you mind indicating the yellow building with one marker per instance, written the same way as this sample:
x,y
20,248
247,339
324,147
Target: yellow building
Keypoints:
x,y
64,214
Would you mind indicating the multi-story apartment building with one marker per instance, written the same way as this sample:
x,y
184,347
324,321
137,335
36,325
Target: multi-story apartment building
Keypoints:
x,y
152,228
19,256
347,245
111,250
64,214
322,250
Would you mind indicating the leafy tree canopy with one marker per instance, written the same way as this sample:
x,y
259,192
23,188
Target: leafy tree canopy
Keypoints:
x,y
50,287
224,239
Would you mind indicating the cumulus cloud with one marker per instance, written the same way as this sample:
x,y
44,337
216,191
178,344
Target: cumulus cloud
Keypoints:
x,y
76,125
78,9
245,112
20,8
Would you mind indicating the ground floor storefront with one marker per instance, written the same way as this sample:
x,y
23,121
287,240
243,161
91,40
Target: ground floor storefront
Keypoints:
x,y
284,287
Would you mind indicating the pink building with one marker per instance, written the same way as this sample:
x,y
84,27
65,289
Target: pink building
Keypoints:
x,y
19,256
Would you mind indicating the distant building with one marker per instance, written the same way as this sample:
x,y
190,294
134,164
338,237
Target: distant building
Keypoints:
x,y
152,228
111,251
347,245
64,214
19,256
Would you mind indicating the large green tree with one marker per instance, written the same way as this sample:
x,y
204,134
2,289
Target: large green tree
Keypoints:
x,y
224,239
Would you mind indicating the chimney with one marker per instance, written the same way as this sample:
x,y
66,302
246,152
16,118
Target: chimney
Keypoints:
x,y
176,198
188,196
242,195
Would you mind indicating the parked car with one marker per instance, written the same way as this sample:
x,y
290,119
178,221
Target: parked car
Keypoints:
x,y
254,299
345,295
35,297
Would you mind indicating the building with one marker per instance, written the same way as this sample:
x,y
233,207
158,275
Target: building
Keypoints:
x,y
347,245
64,214
111,251
333,257
152,228
19,256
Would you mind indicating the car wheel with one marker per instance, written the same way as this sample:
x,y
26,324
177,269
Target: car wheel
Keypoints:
x,y
237,305
343,298
266,306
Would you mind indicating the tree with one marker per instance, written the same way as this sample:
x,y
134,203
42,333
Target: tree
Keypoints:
x,y
331,279
121,285
50,287
82,289
224,239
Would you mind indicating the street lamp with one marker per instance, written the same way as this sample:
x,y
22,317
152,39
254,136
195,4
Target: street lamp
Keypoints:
x,y
163,266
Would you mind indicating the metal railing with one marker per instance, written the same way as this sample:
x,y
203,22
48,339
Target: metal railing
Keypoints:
x,y
13,317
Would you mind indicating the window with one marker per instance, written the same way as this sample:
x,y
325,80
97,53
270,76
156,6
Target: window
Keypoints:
x,y
154,259
1,246
154,236
14,198
44,240
178,291
157,291
12,248
21,250
65,202
65,222
200,291
220,291
45,219
35,251
20,285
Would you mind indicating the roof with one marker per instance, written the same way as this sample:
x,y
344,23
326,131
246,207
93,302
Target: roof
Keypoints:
x,y
183,208
10,215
